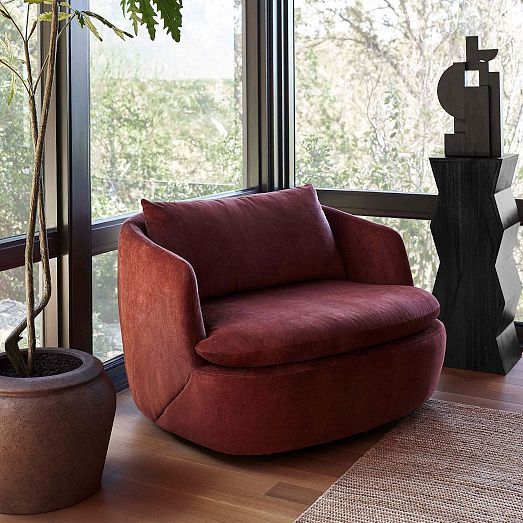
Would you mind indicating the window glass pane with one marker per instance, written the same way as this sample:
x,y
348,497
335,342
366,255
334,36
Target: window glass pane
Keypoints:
x,y
367,113
15,139
166,118
12,303
420,247
107,340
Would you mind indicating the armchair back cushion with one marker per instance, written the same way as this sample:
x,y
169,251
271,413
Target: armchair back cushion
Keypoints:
x,y
251,242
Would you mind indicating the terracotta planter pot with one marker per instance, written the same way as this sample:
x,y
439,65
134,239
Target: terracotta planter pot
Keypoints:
x,y
54,434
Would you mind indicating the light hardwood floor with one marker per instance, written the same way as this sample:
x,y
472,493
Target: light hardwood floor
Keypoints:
x,y
156,477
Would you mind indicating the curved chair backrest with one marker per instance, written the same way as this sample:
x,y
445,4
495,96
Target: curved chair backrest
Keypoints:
x,y
160,318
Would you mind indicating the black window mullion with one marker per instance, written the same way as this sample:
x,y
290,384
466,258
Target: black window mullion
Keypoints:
x,y
12,250
75,188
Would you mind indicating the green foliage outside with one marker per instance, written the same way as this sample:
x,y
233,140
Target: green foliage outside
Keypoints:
x,y
175,140
16,151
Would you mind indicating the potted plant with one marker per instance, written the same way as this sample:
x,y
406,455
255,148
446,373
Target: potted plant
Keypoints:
x,y
57,405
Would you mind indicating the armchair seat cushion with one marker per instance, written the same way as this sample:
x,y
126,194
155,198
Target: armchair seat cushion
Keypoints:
x,y
304,321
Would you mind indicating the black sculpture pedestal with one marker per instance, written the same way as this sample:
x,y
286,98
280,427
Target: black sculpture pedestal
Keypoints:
x,y
475,227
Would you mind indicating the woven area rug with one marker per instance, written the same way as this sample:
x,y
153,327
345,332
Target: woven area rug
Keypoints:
x,y
444,463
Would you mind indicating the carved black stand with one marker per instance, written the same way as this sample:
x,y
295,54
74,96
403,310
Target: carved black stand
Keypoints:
x,y
475,227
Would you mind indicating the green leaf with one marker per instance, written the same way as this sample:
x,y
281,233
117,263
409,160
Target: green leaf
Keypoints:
x,y
12,89
92,27
148,17
170,12
148,13
131,7
46,17
119,32
10,60
80,19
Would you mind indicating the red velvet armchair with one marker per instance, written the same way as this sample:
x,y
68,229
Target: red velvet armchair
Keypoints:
x,y
267,323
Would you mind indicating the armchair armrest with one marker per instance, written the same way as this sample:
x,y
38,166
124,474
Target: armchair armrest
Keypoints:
x,y
160,317
371,253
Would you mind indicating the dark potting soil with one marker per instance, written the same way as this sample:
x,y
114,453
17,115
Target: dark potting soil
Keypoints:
x,y
44,364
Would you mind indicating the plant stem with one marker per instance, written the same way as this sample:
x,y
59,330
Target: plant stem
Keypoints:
x,y
37,200
38,186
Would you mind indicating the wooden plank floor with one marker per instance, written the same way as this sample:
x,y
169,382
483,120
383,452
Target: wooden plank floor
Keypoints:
x,y
154,476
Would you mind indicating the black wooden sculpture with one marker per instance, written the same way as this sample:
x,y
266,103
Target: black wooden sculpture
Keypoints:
x,y
476,109
476,222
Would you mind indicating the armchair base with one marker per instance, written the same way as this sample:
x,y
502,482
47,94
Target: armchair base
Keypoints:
x,y
286,407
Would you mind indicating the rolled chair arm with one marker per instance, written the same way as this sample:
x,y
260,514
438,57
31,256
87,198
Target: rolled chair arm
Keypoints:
x,y
371,253
160,316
